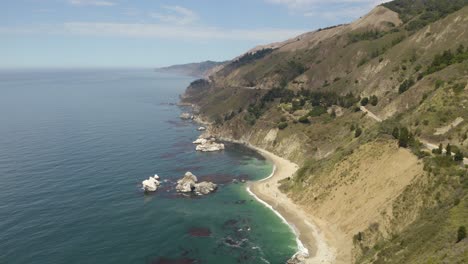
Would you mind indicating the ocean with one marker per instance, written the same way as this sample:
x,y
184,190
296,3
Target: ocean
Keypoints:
x,y
74,148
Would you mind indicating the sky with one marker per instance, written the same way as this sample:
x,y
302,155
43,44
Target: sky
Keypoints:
x,y
154,33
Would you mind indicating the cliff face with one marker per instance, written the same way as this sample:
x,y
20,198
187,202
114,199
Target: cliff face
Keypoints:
x,y
306,99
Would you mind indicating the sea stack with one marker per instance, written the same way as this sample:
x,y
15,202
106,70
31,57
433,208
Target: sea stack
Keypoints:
x,y
151,184
188,184
208,145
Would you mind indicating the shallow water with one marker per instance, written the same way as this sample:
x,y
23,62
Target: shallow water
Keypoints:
x,y
74,147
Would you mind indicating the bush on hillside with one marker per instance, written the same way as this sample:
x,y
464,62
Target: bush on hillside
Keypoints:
x,y
405,85
357,132
448,150
364,101
282,125
404,138
374,100
461,233
458,156
304,119
396,133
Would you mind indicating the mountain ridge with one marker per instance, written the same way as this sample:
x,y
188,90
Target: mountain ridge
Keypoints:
x,y
302,99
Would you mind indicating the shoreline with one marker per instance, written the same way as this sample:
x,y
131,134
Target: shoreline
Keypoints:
x,y
311,242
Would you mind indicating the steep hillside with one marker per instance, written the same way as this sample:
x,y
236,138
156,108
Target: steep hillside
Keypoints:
x,y
358,106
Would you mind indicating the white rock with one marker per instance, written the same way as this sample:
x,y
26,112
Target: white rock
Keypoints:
x,y
149,185
201,128
186,116
210,146
200,141
204,188
187,183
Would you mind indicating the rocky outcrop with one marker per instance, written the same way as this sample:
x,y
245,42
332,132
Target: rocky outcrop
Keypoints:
x,y
203,188
188,184
186,116
200,141
297,259
209,145
151,184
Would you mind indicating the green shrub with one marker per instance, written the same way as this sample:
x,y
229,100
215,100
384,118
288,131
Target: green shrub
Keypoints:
x,y
439,84
317,111
458,156
357,132
403,138
461,233
448,150
405,85
364,101
282,125
304,119
396,133
374,100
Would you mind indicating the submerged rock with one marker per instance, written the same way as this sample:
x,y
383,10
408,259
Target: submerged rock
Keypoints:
x,y
151,184
187,183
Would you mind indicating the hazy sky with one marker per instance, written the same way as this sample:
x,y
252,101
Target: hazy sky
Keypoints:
x,y
148,33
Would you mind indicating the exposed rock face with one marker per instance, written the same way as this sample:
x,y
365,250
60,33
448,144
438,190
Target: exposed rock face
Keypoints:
x,y
151,184
200,141
297,259
209,145
186,116
204,188
189,184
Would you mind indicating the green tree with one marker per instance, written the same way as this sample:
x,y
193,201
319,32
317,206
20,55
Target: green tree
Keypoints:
x,y
448,150
364,101
404,137
458,156
396,133
461,233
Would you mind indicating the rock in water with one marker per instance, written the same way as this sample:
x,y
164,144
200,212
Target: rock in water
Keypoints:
x,y
201,128
151,184
187,183
209,145
200,141
186,116
204,188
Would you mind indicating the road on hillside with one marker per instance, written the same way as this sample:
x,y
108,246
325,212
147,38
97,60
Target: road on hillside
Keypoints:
x,y
426,143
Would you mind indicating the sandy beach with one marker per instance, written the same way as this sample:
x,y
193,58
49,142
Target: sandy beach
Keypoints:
x,y
311,239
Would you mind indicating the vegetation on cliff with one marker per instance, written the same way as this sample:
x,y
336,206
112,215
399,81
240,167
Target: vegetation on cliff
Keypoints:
x,y
319,100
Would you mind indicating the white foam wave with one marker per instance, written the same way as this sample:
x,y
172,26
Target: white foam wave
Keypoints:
x,y
300,246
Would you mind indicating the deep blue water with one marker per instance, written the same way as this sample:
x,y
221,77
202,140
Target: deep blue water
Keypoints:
x,y
74,147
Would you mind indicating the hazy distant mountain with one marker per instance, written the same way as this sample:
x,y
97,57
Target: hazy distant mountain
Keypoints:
x,y
198,69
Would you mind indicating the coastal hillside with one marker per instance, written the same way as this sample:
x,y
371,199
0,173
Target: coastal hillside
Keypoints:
x,y
375,114
198,69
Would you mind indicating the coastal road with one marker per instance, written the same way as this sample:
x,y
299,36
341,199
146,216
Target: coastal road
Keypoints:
x,y
428,145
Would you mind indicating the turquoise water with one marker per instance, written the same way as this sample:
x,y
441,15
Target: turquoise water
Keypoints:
x,y
74,147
